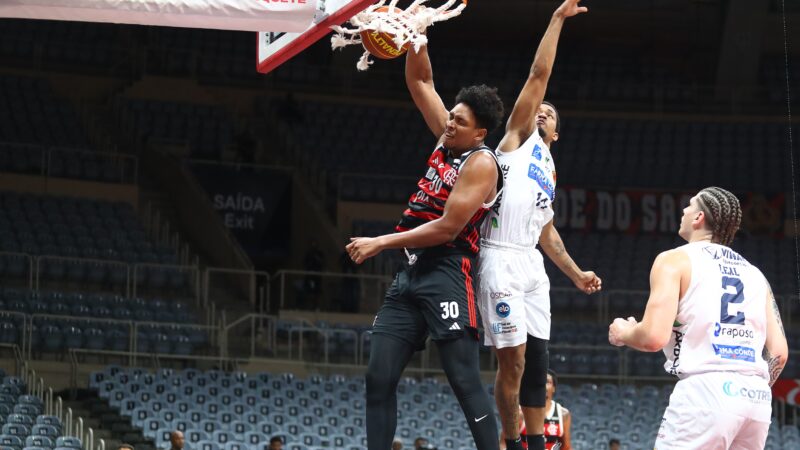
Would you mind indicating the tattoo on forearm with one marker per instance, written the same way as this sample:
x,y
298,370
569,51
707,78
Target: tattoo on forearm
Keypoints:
x,y
775,366
558,248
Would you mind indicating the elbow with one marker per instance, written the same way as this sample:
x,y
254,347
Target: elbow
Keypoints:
x,y
655,343
449,232
539,72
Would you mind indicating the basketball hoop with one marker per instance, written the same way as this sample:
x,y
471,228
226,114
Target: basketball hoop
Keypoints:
x,y
407,26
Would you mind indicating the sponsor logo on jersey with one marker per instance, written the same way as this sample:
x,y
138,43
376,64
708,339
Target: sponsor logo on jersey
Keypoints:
x,y
503,328
735,352
537,152
450,176
676,352
499,295
733,331
502,309
753,395
537,174
455,326
712,251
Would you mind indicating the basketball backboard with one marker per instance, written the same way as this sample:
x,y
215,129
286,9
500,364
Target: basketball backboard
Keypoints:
x,y
276,48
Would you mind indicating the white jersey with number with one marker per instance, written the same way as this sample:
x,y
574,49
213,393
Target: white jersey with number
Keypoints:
x,y
721,324
529,176
514,294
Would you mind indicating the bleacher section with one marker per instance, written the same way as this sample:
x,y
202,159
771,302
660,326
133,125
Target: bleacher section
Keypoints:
x,y
205,130
24,423
233,411
78,227
381,143
42,134
60,321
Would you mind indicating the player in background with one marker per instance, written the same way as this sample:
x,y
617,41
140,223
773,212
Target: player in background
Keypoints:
x,y
714,316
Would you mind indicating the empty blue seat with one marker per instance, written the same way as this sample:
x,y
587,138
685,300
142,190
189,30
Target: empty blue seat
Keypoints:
x,y
11,441
40,441
45,430
15,429
68,442
20,419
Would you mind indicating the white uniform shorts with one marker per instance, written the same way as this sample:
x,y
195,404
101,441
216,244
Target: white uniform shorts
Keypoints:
x,y
717,411
513,294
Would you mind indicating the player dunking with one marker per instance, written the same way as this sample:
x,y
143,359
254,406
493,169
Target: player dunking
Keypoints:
x,y
514,294
714,315
434,295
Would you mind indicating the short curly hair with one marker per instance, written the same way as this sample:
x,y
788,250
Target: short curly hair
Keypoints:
x,y
484,103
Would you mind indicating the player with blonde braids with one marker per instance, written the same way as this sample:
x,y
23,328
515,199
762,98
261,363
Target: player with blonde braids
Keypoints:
x,y
714,316
723,213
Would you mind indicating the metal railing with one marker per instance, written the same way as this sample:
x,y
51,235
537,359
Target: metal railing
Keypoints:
x,y
54,405
109,272
65,162
309,284
253,284
166,276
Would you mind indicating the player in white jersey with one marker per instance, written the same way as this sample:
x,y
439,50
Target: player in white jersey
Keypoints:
x,y
514,288
715,317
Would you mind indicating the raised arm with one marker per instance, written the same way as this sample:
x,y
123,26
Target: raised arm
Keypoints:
x,y
653,332
553,247
520,123
475,183
419,79
776,350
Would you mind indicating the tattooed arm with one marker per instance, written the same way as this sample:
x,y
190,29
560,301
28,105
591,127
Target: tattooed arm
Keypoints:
x,y
776,350
553,247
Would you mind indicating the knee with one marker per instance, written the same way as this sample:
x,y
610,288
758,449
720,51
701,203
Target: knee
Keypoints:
x,y
379,386
465,384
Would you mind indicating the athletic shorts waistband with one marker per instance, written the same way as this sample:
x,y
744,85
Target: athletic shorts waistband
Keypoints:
x,y
487,243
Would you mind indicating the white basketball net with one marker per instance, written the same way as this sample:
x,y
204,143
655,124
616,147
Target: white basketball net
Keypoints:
x,y
407,26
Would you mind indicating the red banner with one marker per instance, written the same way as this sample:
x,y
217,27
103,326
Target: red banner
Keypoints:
x,y
787,390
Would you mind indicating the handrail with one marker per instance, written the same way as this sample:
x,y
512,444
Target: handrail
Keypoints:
x,y
157,357
281,276
251,287
134,280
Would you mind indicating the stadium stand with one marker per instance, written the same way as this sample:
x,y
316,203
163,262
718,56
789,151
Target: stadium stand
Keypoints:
x,y
220,410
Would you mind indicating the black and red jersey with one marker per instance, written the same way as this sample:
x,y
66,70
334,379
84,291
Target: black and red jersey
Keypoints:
x,y
427,203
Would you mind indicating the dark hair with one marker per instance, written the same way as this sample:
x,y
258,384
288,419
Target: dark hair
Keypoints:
x,y
275,439
124,445
553,374
558,116
613,441
484,103
723,213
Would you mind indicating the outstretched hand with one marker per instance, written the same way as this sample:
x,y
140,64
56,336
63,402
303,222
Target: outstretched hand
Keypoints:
x,y
570,8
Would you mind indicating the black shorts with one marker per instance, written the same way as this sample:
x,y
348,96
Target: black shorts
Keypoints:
x,y
434,297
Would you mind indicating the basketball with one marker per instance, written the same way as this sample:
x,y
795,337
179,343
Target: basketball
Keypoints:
x,y
381,45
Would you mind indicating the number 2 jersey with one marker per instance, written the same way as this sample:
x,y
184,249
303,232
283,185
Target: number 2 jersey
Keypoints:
x,y
721,324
